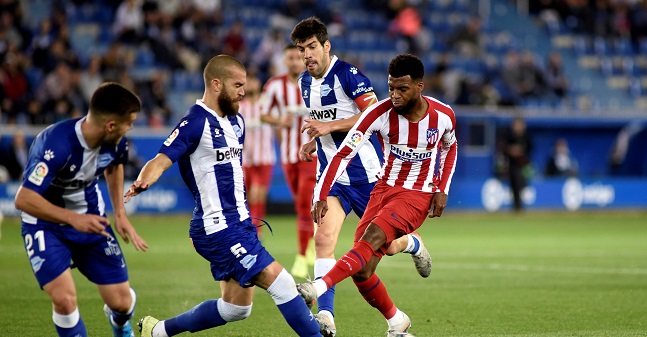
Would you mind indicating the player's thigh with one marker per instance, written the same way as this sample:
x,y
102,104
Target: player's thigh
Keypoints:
x,y
62,292
233,293
47,251
116,296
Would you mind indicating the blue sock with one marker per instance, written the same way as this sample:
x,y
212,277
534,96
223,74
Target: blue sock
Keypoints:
x,y
203,316
76,331
327,300
299,318
416,245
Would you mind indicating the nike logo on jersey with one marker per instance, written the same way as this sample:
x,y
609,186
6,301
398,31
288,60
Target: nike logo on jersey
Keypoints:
x,y
324,114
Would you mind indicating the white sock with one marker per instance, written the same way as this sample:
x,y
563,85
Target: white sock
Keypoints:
x,y
396,319
66,321
411,245
320,287
323,266
160,330
283,289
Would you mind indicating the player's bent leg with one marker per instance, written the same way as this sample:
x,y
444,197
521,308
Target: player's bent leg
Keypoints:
x,y
326,235
413,244
280,285
119,307
66,317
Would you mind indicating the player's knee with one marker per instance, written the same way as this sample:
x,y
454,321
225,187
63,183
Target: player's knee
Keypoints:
x,y
231,312
64,303
324,242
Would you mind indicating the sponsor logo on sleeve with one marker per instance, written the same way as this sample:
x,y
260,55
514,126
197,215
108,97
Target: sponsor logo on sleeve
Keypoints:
x,y
355,139
171,137
39,173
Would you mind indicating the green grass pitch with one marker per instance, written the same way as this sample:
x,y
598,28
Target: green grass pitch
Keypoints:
x,y
535,274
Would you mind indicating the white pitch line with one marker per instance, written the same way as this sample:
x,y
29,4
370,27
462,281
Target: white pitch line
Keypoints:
x,y
529,268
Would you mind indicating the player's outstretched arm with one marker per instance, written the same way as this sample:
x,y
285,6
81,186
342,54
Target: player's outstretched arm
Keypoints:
x,y
307,149
149,175
115,180
316,128
31,202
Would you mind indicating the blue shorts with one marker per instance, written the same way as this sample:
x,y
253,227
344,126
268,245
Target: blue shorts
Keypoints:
x,y
352,197
234,252
52,248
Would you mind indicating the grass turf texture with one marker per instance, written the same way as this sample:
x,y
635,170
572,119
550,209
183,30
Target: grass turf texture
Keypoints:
x,y
535,274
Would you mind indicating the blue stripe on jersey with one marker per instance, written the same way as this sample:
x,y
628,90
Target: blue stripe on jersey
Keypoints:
x,y
327,94
306,81
321,155
189,179
226,188
378,148
217,134
92,198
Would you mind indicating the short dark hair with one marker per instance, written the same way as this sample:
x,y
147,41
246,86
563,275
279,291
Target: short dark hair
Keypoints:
x,y
407,64
311,26
112,98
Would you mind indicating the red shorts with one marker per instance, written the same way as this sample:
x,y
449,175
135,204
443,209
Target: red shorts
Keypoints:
x,y
396,210
258,175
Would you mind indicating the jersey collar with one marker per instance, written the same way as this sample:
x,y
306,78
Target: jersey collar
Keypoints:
x,y
79,133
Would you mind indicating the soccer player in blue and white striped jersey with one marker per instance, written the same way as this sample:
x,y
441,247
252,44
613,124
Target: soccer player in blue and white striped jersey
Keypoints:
x,y
207,144
63,211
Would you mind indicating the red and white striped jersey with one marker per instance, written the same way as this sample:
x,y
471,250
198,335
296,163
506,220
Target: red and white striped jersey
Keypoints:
x,y
410,149
281,97
259,137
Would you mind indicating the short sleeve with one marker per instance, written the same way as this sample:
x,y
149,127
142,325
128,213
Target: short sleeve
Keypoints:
x,y
47,156
184,139
354,82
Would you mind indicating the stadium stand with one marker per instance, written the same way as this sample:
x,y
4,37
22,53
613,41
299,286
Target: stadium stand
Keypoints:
x,y
468,55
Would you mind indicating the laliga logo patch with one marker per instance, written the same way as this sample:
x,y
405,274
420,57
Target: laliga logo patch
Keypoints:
x,y
171,137
38,174
325,89
432,136
355,138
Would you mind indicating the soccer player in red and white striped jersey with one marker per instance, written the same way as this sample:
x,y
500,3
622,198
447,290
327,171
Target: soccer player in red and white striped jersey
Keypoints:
x,y
258,154
284,108
412,127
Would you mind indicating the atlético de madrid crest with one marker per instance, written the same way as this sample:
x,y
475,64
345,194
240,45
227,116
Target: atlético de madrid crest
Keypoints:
x,y
432,136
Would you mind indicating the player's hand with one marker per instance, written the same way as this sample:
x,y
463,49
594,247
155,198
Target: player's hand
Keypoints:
x,y
137,187
319,210
438,203
90,223
128,233
286,120
307,150
316,128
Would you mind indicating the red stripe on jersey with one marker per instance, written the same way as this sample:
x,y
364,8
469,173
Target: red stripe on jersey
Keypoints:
x,y
333,166
394,126
444,109
412,142
425,166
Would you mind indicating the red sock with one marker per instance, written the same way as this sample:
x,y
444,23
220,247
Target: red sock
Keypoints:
x,y
306,231
374,292
261,210
350,263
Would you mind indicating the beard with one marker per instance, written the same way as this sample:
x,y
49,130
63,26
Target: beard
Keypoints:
x,y
227,105
405,109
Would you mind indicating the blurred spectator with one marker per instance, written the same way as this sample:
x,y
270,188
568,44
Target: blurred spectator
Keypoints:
x,y
13,86
561,162
91,78
129,21
466,40
517,149
406,24
153,96
639,24
268,57
35,114
444,81
234,42
41,44
56,85
134,163
13,156
555,78
522,77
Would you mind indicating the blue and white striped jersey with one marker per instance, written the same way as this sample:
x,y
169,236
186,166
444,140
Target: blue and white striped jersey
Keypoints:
x,y
330,98
208,149
65,171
